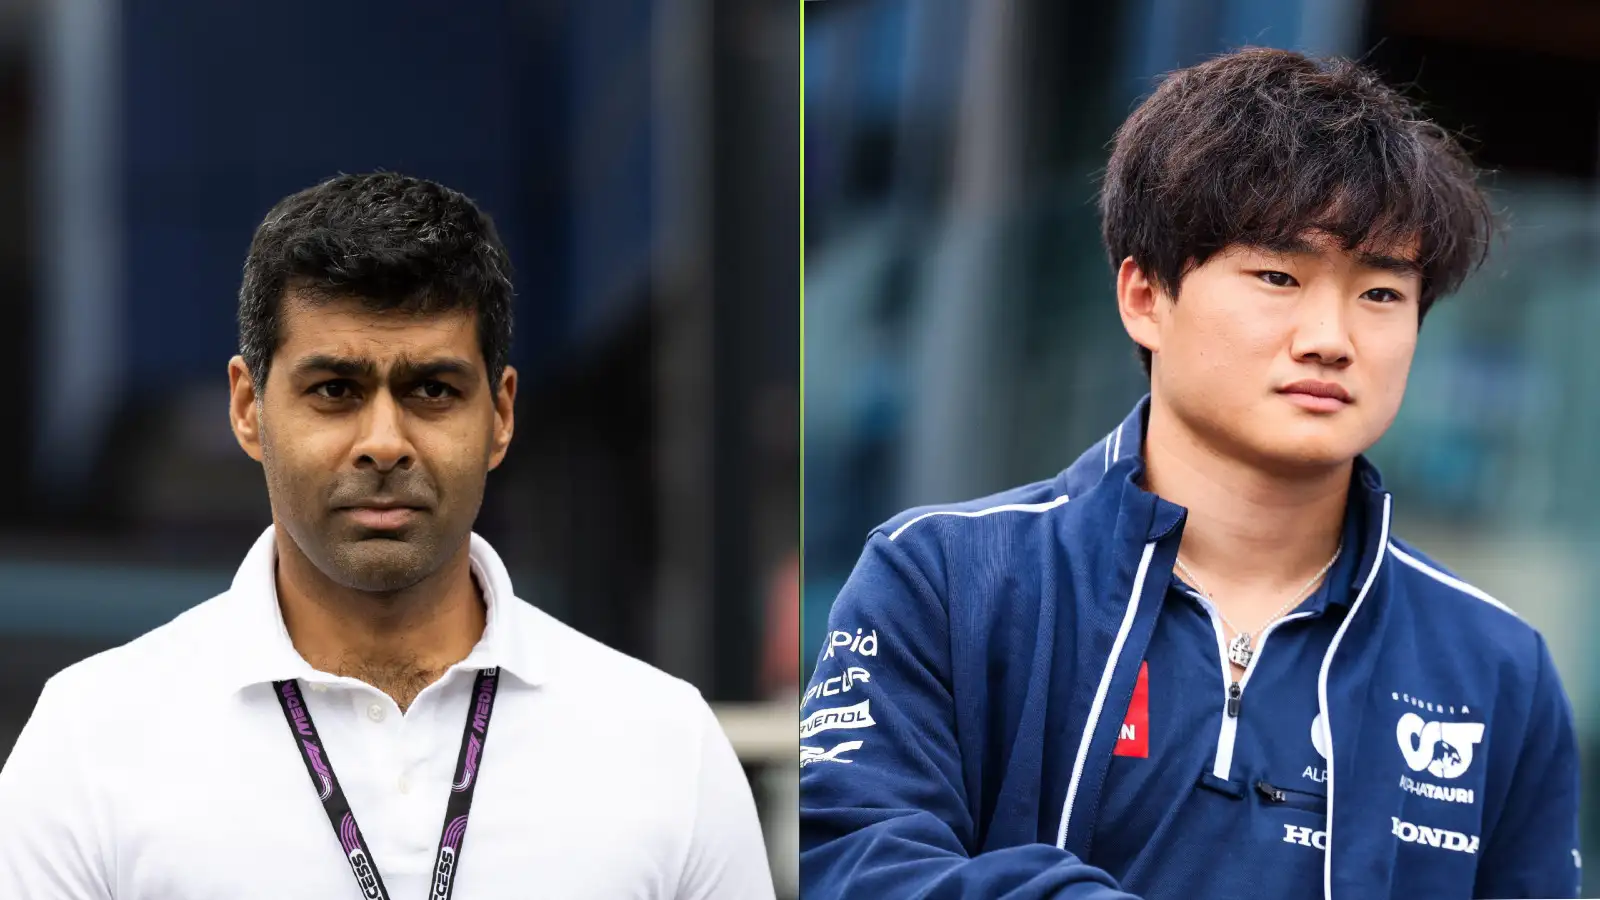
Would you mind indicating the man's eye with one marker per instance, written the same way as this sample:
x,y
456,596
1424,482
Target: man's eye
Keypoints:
x,y
1383,295
334,390
1277,279
435,390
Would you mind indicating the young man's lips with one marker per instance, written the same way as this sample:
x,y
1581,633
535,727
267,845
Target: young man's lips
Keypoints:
x,y
1317,396
1318,389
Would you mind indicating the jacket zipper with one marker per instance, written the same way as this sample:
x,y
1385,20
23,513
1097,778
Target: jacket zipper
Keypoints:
x,y
1233,693
1275,794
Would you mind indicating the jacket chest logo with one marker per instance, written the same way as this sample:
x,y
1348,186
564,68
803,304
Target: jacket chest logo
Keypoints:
x,y
1437,748
1443,749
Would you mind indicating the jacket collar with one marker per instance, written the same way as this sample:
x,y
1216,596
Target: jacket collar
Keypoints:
x,y
1118,459
260,650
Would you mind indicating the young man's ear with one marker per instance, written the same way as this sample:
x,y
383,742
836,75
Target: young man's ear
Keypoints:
x,y
1139,302
243,412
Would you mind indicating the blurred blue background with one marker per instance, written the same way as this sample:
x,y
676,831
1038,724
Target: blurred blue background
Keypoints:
x,y
961,333
641,158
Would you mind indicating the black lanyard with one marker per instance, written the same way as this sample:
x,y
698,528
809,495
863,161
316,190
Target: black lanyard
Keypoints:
x,y
318,766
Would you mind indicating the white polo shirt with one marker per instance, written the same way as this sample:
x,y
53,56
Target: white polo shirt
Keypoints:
x,y
165,770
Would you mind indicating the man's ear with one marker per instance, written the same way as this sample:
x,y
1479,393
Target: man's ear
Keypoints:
x,y
1139,302
505,417
244,413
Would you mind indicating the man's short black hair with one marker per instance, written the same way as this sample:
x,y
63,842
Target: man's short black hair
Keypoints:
x,y
1259,147
390,241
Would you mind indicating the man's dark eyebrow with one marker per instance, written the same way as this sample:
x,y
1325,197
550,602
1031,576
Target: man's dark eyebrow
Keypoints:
x,y
342,366
422,370
404,370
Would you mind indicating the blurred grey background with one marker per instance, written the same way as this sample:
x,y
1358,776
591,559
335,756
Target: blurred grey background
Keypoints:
x,y
641,158
961,334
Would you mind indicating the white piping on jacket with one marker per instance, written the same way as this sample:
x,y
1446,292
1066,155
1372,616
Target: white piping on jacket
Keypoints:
x,y
1322,694
1101,691
1113,453
1008,507
1444,578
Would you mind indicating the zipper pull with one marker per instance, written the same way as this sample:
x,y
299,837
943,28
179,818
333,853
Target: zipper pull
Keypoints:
x,y
1234,693
1273,794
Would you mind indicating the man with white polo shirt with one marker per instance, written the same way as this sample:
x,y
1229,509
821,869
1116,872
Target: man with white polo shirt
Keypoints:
x,y
370,685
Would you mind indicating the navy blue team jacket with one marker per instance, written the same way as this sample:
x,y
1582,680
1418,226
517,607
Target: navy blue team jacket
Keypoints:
x,y
981,661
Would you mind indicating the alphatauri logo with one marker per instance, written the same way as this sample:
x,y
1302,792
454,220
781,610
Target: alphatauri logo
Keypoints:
x,y
1444,749
1435,837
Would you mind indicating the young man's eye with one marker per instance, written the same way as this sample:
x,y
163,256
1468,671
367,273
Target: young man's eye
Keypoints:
x,y
1277,279
1383,295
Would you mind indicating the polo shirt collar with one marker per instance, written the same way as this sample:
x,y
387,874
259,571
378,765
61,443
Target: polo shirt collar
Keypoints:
x,y
261,651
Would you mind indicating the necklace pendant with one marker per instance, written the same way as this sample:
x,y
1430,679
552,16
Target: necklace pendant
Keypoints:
x,y
1239,651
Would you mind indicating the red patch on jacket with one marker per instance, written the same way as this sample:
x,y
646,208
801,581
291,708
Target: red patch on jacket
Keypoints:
x,y
1133,738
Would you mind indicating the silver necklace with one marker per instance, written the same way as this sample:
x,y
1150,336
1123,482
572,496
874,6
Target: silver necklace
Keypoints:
x,y
1239,650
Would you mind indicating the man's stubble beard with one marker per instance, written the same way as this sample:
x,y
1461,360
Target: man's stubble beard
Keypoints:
x,y
377,565
366,562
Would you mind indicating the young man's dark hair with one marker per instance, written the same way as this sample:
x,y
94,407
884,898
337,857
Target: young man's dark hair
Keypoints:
x,y
394,242
1259,146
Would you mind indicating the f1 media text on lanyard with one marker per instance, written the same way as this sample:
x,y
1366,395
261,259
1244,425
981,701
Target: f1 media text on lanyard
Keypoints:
x,y
447,860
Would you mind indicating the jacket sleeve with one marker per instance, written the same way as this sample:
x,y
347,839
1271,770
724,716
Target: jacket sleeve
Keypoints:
x,y
1532,850
50,829
883,808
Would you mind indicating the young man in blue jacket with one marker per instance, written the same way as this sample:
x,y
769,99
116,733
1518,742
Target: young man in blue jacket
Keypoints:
x,y
1197,663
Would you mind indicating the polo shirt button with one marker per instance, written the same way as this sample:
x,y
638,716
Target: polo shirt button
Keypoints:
x,y
375,712
405,785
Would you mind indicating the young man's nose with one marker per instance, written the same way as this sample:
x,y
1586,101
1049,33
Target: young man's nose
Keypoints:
x,y
1322,329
